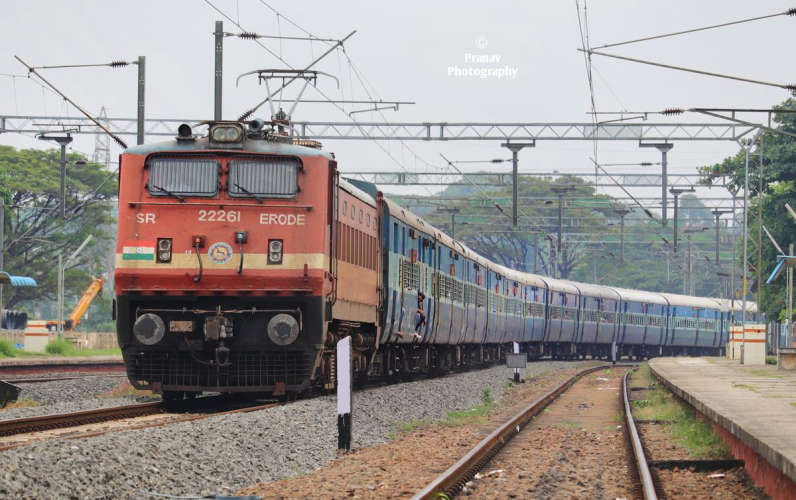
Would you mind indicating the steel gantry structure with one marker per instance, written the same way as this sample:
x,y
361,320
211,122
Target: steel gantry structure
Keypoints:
x,y
418,131
497,179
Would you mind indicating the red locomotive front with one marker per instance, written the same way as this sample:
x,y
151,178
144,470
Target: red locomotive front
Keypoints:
x,y
222,261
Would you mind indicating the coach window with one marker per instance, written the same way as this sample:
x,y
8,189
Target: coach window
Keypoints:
x,y
360,216
395,237
353,212
345,207
367,223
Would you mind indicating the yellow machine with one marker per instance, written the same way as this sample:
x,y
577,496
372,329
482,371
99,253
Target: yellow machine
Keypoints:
x,y
82,306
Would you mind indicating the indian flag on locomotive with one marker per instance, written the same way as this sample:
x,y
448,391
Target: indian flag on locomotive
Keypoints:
x,y
138,250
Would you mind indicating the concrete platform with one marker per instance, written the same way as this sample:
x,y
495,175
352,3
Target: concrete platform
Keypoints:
x,y
752,407
60,360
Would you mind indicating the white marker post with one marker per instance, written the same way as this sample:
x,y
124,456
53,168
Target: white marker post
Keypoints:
x,y
516,370
344,394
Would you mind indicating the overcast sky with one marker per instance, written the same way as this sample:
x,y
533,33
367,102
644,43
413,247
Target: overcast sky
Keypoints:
x,y
405,51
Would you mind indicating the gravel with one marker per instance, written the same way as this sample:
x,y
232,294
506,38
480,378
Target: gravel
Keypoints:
x,y
68,395
222,454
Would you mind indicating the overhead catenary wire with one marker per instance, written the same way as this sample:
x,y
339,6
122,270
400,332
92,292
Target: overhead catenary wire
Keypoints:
x,y
789,87
789,12
70,101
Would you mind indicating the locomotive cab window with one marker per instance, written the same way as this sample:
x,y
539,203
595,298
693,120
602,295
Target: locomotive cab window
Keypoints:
x,y
263,177
182,177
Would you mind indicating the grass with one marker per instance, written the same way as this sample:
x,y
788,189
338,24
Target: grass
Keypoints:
x,y
475,415
767,373
21,403
750,387
58,347
125,389
793,403
693,433
771,360
413,424
62,347
9,351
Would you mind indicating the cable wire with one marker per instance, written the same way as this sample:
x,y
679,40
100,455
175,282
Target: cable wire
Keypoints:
x,y
789,12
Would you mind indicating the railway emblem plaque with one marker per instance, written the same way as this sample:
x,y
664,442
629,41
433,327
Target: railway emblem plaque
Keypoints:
x,y
220,252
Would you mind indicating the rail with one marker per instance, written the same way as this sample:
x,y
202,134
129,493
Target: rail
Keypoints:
x,y
647,484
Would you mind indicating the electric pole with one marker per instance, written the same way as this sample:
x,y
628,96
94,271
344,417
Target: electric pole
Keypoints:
x,y
141,90
515,147
621,212
453,211
219,42
663,147
560,191
677,192
63,141
717,214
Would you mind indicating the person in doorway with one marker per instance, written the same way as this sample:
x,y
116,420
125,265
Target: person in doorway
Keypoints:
x,y
421,316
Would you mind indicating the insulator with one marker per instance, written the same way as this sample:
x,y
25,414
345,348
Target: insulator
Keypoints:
x,y
791,12
672,111
118,64
246,35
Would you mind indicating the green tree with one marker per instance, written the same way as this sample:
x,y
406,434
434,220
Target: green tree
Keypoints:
x,y
778,188
35,231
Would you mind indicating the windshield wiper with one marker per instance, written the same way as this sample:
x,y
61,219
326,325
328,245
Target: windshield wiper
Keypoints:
x,y
246,191
164,190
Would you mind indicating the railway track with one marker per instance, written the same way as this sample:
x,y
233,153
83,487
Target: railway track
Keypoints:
x,y
90,422
456,477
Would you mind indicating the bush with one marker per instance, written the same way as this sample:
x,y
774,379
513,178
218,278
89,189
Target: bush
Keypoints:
x,y
59,346
6,351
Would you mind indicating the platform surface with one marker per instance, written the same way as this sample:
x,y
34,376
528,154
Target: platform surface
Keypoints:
x,y
60,360
757,404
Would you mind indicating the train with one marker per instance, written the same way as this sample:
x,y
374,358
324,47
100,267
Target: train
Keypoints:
x,y
243,256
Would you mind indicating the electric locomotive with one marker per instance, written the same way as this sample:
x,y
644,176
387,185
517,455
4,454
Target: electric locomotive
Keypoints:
x,y
223,276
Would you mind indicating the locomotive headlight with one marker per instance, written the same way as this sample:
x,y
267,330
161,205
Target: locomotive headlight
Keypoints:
x,y
226,133
283,329
164,250
149,329
274,251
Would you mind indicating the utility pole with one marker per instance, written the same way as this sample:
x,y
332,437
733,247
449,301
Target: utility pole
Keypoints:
x,y
2,243
515,147
63,141
560,191
141,91
551,257
594,263
621,212
663,147
677,192
687,267
535,253
219,39
453,211
758,296
61,265
746,148
717,214
789,293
